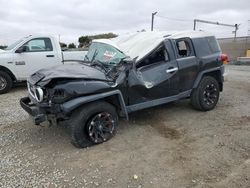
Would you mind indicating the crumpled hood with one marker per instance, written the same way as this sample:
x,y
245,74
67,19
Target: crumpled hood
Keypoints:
x,y
67,71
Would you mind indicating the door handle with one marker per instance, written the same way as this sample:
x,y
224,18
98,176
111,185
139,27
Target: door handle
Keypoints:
x,y
172,69
50,56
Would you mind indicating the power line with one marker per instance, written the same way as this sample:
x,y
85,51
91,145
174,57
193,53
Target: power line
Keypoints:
x,y
174,19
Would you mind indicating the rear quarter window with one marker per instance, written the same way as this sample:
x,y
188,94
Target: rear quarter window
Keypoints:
x,y
213,44
202,47
206,46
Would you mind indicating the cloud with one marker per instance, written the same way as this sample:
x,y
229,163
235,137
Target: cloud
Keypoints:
x,y
74,18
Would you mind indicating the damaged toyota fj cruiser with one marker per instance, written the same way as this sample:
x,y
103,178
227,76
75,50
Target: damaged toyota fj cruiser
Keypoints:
x,y
123,75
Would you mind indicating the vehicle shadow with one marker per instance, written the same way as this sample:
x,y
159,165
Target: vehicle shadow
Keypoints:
x,y
18,87
159,118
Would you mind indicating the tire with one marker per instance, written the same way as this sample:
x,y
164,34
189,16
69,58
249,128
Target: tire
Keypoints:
x,y
206,95
93,124
5,82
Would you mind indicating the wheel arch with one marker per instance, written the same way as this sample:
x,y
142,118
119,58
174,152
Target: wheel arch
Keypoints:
x,y
115,98
6,70
216,73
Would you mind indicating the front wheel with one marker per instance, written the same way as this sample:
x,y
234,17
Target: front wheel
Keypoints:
x,y
206,95
92,124
5,82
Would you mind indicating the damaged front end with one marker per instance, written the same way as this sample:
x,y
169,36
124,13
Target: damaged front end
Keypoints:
x,y
50,89
40,105
53,92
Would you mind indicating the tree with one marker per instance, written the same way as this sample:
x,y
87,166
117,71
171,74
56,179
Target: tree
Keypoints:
x,y
103,36
71,45
3,47
84,41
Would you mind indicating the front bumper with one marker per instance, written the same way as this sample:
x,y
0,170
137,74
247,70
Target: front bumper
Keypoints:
x,y
33,110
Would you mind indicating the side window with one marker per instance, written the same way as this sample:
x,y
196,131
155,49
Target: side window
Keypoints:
x,y
157,56
183,48
38,45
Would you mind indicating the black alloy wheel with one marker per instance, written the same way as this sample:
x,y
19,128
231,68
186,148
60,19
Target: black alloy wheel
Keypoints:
x,y
101,127
206,95
93,123
210,94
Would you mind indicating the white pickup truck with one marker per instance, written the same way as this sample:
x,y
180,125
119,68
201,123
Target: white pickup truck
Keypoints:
x,y
26,56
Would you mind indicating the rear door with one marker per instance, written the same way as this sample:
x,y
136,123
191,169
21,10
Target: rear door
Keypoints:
x,y
187,62
155,77
39,53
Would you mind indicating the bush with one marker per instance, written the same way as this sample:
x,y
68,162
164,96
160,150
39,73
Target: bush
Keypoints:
x,y
85,41
72,45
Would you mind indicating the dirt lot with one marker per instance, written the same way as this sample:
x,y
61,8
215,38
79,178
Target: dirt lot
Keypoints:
x,y
167,146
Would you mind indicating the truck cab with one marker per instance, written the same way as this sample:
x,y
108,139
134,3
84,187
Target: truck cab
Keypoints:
x,y
28,55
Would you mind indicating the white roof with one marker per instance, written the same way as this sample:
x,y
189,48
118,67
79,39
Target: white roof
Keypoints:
x,y
142,43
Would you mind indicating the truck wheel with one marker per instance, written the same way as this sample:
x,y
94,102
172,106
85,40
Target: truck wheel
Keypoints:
x,y
5,82
206,95
92,124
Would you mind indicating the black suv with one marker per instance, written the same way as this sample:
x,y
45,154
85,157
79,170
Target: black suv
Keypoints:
x,y
123,75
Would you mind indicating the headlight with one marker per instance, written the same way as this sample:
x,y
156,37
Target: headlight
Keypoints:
x,y
59,96
39,94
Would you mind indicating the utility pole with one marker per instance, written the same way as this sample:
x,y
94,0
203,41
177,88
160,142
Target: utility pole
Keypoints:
x,y
236,29
152,21
248,30
236,26
194,24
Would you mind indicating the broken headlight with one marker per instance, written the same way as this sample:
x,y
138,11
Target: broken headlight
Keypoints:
x,y
59,95
39,94
36,93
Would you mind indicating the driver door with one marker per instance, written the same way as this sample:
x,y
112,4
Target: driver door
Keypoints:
x,y
36,54
155,77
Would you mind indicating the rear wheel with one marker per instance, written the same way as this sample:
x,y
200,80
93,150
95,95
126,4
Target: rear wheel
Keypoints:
x,y
94,123
206,95
5,82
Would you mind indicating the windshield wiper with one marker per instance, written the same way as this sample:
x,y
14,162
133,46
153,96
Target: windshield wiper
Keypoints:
x,y
97,62
86,57
101,64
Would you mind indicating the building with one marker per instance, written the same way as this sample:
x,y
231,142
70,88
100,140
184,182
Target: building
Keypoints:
x,y
235,47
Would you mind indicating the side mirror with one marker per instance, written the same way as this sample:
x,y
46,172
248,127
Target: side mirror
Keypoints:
x,y
22,49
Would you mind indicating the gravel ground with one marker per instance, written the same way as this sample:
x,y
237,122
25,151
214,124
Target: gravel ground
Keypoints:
x,y
10,111
167,146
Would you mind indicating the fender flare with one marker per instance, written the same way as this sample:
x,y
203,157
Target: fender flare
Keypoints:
x,y
71,105
201,74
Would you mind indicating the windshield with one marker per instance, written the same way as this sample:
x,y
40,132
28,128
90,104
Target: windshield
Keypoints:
x,y
10,47
104,53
